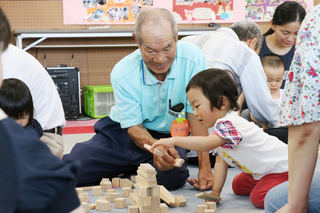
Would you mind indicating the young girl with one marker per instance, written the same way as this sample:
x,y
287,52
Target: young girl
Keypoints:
x,y
236,142
280,39
16,102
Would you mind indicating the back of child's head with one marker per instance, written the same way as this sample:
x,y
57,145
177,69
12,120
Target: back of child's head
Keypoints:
x,y
16,99
216,83
273,61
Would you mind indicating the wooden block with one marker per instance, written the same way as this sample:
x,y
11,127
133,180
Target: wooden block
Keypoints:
x,y
180,201
125,182
133,209
79,190
102,205
106,185
156,151
209,211
128,183
163,208
155,191
85,197
85,206
103,180
146,182
143,191
201,208
144,201
133,178
133,199
146,175
122,182
125,191
113,196
144,209
155,204
81,199
166,196
96,191
92,206
116,182
87,188
147,167
120,203
102,198
109,191
179,162
208,196
211,205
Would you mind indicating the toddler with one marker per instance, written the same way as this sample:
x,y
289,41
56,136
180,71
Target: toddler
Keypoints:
x,y
274,69
235,141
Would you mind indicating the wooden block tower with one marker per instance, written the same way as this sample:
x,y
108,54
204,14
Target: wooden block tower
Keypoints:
x,y
146,194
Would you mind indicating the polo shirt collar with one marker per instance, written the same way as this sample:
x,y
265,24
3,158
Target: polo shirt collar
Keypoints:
x,y
149,79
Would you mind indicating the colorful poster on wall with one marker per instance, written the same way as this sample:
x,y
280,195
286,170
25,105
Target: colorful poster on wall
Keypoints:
x,y
114,11
263,10
201,10
125,11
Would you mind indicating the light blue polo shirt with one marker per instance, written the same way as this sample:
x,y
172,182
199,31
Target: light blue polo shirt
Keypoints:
x,y
141,98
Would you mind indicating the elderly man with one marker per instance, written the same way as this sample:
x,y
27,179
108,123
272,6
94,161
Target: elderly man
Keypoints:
x,y
147,85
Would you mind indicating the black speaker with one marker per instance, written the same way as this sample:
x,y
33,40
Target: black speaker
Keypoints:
x,y
67,81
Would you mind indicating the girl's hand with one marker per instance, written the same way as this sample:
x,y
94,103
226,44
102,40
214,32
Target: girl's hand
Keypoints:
x,y
217,194
166,143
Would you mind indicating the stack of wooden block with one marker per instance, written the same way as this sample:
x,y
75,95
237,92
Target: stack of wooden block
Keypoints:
x,y
146,195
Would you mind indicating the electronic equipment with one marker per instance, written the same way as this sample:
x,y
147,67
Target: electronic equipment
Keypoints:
x,y
67,82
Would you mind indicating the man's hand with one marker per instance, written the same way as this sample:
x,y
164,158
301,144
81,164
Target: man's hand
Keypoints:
x,y
205,178
166,162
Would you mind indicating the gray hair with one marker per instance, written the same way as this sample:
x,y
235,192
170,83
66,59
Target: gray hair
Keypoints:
x,y
156,16
247,30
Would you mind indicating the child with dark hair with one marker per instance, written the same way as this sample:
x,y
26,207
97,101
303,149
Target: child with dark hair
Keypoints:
x,y
16,102
236,142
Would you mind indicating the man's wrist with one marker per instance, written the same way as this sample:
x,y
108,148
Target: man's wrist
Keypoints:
x,y
204,160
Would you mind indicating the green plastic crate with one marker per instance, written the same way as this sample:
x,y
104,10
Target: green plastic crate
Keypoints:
x,y
98,100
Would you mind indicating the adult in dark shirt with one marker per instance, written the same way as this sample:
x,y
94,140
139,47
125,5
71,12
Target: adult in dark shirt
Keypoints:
x,y
32,179
280,39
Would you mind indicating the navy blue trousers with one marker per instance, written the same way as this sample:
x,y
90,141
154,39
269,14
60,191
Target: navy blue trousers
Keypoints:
x,y
111,152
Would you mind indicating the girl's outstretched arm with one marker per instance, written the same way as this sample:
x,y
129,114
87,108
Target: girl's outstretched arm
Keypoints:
x,y
196,143
220,174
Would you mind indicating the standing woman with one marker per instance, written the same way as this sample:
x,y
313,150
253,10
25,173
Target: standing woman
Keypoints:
x,y
280,39
301,112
